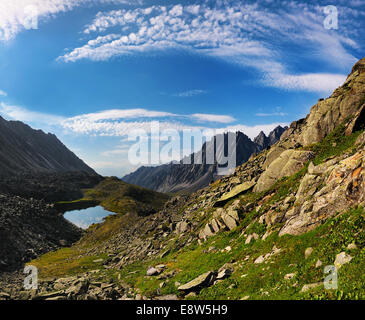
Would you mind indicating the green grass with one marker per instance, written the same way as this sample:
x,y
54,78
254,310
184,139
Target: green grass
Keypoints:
x,y
266,281
120,197
66,262
335,144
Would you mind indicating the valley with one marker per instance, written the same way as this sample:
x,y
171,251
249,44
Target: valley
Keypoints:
x,y
268,231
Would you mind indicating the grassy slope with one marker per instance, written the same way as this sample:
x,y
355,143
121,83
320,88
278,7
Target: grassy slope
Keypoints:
x,y
120,197
116,196
258,281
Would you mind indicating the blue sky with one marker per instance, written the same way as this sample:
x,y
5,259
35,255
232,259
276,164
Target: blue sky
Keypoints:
x,y
92,70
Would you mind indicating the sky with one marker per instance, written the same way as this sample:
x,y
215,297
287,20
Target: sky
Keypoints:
x,y
91,71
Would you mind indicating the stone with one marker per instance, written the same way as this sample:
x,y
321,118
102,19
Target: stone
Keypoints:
x,y
310,286
4,296
289,276
318,263
260,259
215,225
229,221
207,232
80,286
250,237
191,295
168,297
266,235
352,246
223,274
182,227
165,253
237,190
204,280
233,214
151,271
308,252
289,162
341,259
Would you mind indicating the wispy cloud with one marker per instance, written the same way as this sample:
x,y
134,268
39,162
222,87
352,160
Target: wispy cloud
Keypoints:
x,y
23,114
120,123
17,15
273,114
235,32
314,82
3,93
202,117
191,93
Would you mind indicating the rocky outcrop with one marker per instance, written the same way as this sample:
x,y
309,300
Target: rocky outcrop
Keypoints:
x,y
288,163
326,190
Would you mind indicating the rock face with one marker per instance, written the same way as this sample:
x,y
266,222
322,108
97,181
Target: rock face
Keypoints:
x,y
176,177
288,163
26,150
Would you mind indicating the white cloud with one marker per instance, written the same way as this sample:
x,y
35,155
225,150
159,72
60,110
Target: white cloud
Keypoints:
x,y
17,15
191,93
273,114
3,93
213,118
235,32
115,114
22,114
317,82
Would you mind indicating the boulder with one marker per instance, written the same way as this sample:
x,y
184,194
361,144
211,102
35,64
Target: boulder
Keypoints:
x,y
182,227
310,286
204,280
207,232
151,271
230,222
237,190
308,252
288,163
341,259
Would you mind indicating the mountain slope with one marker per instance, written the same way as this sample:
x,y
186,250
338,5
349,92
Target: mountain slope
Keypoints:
x,y
265,232
23,149
176,177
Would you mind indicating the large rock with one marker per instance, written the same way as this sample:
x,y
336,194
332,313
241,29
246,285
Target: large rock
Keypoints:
x,y
340,188
182,227
204,280
288,163
341,259
327,114
237,190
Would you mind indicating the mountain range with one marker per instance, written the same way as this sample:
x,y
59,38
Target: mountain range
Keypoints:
x,y
175,177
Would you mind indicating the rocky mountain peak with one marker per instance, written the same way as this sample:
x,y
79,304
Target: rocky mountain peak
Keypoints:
x,y
24,149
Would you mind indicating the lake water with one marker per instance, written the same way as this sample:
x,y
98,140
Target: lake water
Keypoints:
x,y
86,217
